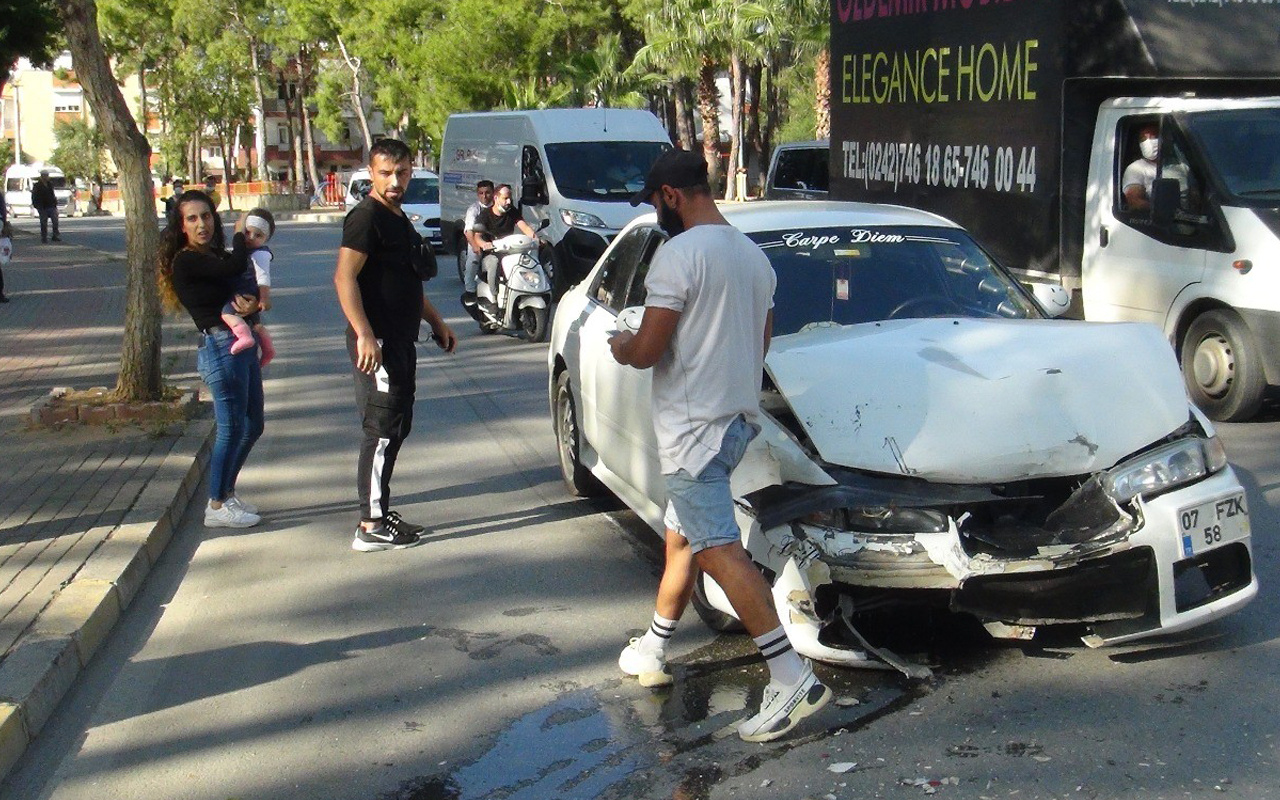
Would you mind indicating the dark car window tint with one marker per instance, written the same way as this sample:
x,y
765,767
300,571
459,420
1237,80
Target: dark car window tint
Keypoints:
x,y
851,276
803,168
619,266
636,296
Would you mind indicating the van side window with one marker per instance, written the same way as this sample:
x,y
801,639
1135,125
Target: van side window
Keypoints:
x,y
533,179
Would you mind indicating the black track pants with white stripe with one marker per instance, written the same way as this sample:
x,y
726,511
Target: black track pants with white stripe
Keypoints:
x,y
385,402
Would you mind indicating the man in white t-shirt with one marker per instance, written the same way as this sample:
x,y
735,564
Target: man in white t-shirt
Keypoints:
x,y
707,323
484,199
1138,176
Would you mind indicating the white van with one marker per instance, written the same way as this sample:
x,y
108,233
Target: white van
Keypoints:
x,y
421,202
18,180
576,167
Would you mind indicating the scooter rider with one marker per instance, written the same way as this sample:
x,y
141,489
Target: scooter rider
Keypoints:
x,y
484,199
501,219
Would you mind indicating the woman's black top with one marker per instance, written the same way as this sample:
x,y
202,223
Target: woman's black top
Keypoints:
x,y
204,283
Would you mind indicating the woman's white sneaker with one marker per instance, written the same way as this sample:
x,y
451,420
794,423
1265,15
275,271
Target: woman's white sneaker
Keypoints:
x,y
229,516
243,505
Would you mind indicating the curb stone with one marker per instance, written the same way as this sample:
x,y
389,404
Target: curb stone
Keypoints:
x,y
36,674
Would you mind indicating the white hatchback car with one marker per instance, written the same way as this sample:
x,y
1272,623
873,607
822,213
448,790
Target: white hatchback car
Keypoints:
x,y
421,202
930,437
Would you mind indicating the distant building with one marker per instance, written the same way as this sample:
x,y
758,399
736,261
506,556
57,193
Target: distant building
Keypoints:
x,y
34,99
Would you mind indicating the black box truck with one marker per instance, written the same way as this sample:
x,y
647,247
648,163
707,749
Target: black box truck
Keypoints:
x,y
1129,149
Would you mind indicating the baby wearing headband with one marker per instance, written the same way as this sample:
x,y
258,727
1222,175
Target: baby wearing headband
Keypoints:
x,y
249,250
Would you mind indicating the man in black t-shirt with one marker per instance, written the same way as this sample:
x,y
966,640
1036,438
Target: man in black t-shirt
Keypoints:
x,y
384,302
500,219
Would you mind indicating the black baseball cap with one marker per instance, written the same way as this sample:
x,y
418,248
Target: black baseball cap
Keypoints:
x,y
678,169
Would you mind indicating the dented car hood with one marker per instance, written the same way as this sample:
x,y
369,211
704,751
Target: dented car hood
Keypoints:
x,y
980,401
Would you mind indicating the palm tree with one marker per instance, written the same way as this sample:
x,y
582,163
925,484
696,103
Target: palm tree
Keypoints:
x,y
690,39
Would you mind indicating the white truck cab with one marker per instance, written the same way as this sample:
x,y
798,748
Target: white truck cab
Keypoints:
x,y
1201,259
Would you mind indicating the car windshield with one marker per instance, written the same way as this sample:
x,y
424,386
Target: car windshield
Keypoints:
x,y
1243,147
848,276
608,171
421,191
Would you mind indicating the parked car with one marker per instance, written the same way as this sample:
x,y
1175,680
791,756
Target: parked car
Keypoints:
x,y
930,436
421,202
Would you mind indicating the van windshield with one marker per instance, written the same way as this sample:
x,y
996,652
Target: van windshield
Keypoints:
x,y
1243,148
605,171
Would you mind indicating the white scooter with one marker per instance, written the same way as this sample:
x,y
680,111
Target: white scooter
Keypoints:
x,y
524,290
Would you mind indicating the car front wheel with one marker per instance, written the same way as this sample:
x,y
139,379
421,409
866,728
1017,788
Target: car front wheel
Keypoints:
x,y
1222,366
577,477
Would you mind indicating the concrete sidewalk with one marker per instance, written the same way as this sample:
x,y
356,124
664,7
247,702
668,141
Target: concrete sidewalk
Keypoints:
x,y
85,511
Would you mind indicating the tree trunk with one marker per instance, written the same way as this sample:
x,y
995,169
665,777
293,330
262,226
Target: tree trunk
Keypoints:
x,y
308,140
295,133
685,103
822,94
139,377
357,97
259,112
755,147
772,113
738,104
709,108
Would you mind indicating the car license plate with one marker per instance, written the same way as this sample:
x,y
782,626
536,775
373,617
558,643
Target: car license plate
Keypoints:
x,y
1211,524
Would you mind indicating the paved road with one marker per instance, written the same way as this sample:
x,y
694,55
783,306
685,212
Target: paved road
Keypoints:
x,y
277,663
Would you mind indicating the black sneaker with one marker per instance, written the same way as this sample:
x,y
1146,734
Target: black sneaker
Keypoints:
x,y
383,538
399,524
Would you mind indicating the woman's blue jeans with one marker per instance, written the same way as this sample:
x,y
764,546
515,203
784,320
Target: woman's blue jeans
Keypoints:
x,y
236,385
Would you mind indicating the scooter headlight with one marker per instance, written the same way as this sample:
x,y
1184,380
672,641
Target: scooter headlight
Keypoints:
x,y
525,279
1164,468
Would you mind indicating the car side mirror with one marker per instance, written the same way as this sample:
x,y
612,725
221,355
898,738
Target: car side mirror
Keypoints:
x,y
543,225
1052,297
629,318
1165,193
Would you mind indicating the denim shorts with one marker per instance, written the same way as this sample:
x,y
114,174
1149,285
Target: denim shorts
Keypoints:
x,y
700,508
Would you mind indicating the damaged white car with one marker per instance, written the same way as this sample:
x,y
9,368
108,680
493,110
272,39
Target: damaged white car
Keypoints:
x,y
930,437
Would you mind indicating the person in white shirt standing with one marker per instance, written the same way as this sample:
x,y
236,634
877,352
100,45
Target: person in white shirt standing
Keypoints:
x,y
706,327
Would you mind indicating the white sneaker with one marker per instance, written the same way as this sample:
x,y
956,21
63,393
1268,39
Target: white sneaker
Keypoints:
x,y
229,516
243,505
650,668
783,707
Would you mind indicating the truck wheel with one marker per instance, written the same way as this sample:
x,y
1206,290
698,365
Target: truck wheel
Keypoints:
x,y
712,617
576,476
461,249
1221,366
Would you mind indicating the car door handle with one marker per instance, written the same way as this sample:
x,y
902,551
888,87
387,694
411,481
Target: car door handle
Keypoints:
x,y
1104,236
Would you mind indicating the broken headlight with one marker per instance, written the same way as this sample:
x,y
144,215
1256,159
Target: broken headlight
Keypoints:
x,y
880,519
1164,468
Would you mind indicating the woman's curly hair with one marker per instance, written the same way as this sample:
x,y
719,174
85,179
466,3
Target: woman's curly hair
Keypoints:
x,y
173,239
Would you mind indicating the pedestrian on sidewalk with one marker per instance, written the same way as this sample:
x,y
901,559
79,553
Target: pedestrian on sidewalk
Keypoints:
x,y
381,293
706,327
6,250
45,203
197,273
